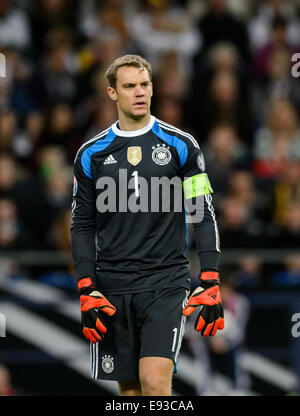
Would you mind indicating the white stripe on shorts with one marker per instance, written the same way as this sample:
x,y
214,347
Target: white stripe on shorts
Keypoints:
x,y
182,325
94,359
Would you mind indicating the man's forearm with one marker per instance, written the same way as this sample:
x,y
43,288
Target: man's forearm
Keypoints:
x,y
84,251
206,235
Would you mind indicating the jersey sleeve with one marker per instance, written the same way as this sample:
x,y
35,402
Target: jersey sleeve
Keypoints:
x,y
198,200
83,226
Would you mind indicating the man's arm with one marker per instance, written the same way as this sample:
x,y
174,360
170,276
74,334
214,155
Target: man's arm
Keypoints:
x,y
198,200
206,233
83,227
197,192
83,233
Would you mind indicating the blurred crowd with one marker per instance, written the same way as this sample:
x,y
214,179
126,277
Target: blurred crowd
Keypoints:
x,y
221,71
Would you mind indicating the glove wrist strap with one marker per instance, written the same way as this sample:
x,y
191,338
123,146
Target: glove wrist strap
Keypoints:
x,y
84,284
209,278
209,275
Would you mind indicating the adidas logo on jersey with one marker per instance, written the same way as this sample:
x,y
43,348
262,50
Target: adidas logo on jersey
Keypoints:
x,y
109,160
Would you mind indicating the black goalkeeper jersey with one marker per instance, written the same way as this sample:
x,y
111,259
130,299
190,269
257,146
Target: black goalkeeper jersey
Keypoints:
x,y
129,223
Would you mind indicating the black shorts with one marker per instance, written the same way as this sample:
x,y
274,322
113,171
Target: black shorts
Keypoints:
x,y
149,324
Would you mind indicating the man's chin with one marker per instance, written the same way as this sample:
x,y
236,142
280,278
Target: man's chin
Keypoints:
x,y
138,115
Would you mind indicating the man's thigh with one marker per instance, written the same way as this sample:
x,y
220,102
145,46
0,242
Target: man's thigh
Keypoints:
x,y
145,325
116,357
161,322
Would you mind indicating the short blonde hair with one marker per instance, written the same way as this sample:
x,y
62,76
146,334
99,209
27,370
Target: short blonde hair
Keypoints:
x,y
126,60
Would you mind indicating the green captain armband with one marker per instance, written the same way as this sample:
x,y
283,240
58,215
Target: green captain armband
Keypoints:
x,y
196,186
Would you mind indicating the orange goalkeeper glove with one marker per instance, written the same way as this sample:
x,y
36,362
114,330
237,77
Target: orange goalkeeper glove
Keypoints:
x,y
208,297
92,306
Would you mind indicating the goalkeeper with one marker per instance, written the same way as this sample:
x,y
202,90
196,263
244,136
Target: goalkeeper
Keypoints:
x,y
129,250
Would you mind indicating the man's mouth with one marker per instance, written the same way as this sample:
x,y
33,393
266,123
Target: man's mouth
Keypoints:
x,y
140,103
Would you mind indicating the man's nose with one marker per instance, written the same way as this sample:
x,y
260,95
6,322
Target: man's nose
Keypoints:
x,y
139,91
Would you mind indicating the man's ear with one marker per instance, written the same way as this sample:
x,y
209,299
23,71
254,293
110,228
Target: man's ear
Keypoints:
x,y
112,93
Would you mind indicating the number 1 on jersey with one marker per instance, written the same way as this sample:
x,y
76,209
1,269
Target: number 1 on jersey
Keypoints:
x,y
136,183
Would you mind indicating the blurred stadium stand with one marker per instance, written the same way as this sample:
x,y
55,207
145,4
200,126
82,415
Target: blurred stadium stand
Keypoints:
x,y
222,71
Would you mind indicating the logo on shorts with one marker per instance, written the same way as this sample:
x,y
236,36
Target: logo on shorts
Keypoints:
x,y
161,155
107,364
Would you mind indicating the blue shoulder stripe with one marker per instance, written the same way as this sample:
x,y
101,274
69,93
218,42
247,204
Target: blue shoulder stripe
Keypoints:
x,y
173,141
98,146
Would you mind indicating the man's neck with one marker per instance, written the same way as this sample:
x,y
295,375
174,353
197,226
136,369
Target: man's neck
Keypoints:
x,y
130,124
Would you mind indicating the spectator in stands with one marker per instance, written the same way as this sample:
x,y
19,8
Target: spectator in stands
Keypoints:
x,y
95,96
105,35
286,191
96,54
242,186
159,27
278,141
278,84
8,172
28,194
28,139
169,79
13,87
224,104
61,230
272,70
99,85
260,26
60,129
52,159
103,115
54,79
109,47
249,273
286,235
46,15
225,57
222,62
170,110
238,229
8,128
224,154
108,18
290,276
13,234
58,190
278,40
58,178
14,27
59,239
218,24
